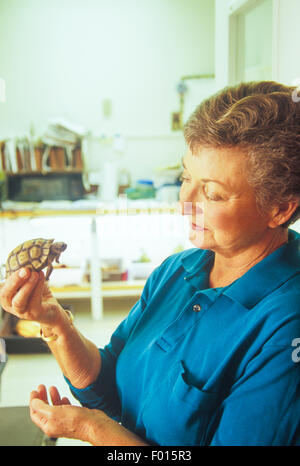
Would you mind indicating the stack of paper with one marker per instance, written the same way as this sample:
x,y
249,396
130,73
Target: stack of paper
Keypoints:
x,y
63,133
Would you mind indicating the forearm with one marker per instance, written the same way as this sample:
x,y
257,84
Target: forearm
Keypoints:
x,y
26,295
78,358
104,431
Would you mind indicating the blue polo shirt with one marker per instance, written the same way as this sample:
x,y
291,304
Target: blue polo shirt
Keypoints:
x,y
193,365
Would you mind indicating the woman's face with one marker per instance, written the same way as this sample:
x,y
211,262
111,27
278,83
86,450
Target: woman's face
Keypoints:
x,y
219,201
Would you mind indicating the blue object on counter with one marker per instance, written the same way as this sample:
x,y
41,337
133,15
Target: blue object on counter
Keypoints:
x,y
145,182
144,189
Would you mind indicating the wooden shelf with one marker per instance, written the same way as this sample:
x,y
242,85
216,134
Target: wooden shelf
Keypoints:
x,y
108,290
65,171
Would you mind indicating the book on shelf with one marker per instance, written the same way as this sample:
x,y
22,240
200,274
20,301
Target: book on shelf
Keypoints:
x,y
59,149
10,155
22,156
2,156
17,155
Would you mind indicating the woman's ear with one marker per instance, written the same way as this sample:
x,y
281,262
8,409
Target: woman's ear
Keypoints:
x,y
283,212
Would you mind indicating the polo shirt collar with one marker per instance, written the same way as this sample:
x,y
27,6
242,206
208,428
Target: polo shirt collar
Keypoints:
x,y
256,283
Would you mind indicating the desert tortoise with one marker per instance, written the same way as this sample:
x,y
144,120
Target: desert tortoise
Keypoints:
x,y
35,254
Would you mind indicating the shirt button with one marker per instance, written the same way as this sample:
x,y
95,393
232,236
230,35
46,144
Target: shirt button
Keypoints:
x,y
196,308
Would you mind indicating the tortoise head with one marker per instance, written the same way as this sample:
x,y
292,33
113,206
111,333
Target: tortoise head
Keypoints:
x,y
58,248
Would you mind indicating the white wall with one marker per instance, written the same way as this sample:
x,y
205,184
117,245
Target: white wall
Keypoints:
x,y
288,41
221,44
64,57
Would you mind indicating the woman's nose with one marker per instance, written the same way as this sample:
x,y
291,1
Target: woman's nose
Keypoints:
x,y
186,208
191,208
190,203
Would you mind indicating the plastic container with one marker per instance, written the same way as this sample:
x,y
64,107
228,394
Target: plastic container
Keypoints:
x,y
144,189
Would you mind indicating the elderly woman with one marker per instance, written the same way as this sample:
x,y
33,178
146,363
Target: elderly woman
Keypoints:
x,y
205,357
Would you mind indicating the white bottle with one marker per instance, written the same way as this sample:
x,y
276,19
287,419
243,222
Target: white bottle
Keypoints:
x,y
109,187
109,183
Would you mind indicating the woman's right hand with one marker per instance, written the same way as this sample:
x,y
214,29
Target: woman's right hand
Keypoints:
x,y
29,297
26,295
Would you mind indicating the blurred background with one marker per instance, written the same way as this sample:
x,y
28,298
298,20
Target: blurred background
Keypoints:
x,y
93,98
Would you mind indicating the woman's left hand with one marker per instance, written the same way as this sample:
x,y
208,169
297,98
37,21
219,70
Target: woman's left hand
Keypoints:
x,y
89,425
60,420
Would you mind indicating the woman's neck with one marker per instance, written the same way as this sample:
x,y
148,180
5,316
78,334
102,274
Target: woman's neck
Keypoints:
x,y
227,269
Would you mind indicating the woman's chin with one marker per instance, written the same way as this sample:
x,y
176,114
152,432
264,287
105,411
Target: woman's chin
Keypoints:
x,y
199,238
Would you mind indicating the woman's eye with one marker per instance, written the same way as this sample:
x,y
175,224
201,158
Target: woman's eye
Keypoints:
x,y
209,196
213,197
183,178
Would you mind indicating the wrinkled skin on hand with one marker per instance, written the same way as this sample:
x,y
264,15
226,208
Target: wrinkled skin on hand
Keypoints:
x,y
26,295
61,419
88,425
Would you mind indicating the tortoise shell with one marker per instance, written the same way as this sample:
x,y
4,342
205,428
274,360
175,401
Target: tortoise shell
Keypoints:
x,y
32,254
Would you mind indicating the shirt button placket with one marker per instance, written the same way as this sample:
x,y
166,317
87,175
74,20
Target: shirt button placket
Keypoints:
x,y
196,308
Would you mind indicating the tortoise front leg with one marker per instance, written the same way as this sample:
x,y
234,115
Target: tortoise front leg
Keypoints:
x,y
57,257
49,270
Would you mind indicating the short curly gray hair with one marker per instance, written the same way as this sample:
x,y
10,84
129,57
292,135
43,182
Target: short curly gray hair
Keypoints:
x,y
263,119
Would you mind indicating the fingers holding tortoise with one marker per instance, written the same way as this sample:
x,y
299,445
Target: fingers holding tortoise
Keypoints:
x,y
22,292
